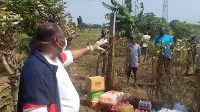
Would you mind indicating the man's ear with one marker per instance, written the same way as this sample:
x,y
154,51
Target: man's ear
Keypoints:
x,y
55,39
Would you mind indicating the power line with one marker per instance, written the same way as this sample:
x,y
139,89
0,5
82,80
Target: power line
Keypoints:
x,y
165,9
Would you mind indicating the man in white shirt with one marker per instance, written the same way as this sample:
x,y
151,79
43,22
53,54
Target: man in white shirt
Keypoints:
x,y
45,85
144,43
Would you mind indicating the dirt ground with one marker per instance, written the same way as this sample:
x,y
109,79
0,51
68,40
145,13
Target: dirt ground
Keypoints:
x,y
85,67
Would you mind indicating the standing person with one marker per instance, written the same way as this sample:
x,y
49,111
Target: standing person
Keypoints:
x,y
45,85
133,59
192,51
102,55
144,43
164,43
104,33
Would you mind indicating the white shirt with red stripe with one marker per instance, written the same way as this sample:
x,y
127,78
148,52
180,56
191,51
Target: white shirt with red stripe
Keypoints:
x,y
69,98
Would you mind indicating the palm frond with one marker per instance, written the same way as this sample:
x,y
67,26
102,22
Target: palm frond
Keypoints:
x,y
120,16
112,8
115,3
125,12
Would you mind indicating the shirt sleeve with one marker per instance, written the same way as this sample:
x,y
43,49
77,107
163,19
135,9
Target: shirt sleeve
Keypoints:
x,y
171,39
128,47
142,38
156,40
139,50
67,57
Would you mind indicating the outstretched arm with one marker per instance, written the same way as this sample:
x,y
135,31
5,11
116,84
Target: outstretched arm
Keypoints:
x,y
78,53
68,56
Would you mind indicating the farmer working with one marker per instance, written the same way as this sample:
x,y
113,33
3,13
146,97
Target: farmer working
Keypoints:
x,y
45,85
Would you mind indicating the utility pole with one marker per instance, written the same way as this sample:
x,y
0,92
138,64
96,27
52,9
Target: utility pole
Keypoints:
x,y
109,72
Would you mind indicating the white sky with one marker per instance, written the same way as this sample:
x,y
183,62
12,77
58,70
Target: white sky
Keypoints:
x,y
92,11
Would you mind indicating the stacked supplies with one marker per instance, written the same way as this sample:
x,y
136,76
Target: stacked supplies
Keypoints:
x,y
95,87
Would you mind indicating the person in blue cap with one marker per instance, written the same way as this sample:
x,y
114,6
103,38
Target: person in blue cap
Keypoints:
x,y
133,59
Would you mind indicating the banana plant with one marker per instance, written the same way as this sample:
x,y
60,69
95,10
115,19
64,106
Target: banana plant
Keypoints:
x,y
124,20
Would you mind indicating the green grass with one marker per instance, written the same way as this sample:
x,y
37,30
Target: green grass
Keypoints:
x,y
85,37
86,62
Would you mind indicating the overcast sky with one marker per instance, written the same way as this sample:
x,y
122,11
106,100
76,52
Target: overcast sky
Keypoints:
x,y
92,11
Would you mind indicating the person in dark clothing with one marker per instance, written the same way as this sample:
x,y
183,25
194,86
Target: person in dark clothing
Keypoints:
x,y
192,51
102,55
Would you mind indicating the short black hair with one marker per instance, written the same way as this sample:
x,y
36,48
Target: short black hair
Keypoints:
x,y
162,28
46,31
131,37
103,30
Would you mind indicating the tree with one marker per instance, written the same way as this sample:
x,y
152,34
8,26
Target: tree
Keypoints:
x,y
150,23
28,14
10,60
180,29
73,24
80,22
195,30
35,12
96,26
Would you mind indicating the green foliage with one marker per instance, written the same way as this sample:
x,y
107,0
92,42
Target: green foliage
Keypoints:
x,y
22,17
10,17
180,29
7,51
8,30
124,20
83,25
35,12
91,26
150,23
195,30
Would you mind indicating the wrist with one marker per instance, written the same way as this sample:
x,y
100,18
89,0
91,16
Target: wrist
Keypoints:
x,y
90,48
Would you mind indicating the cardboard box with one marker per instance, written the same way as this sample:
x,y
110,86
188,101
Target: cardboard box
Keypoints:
x,y
94,84
92,104
94,97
